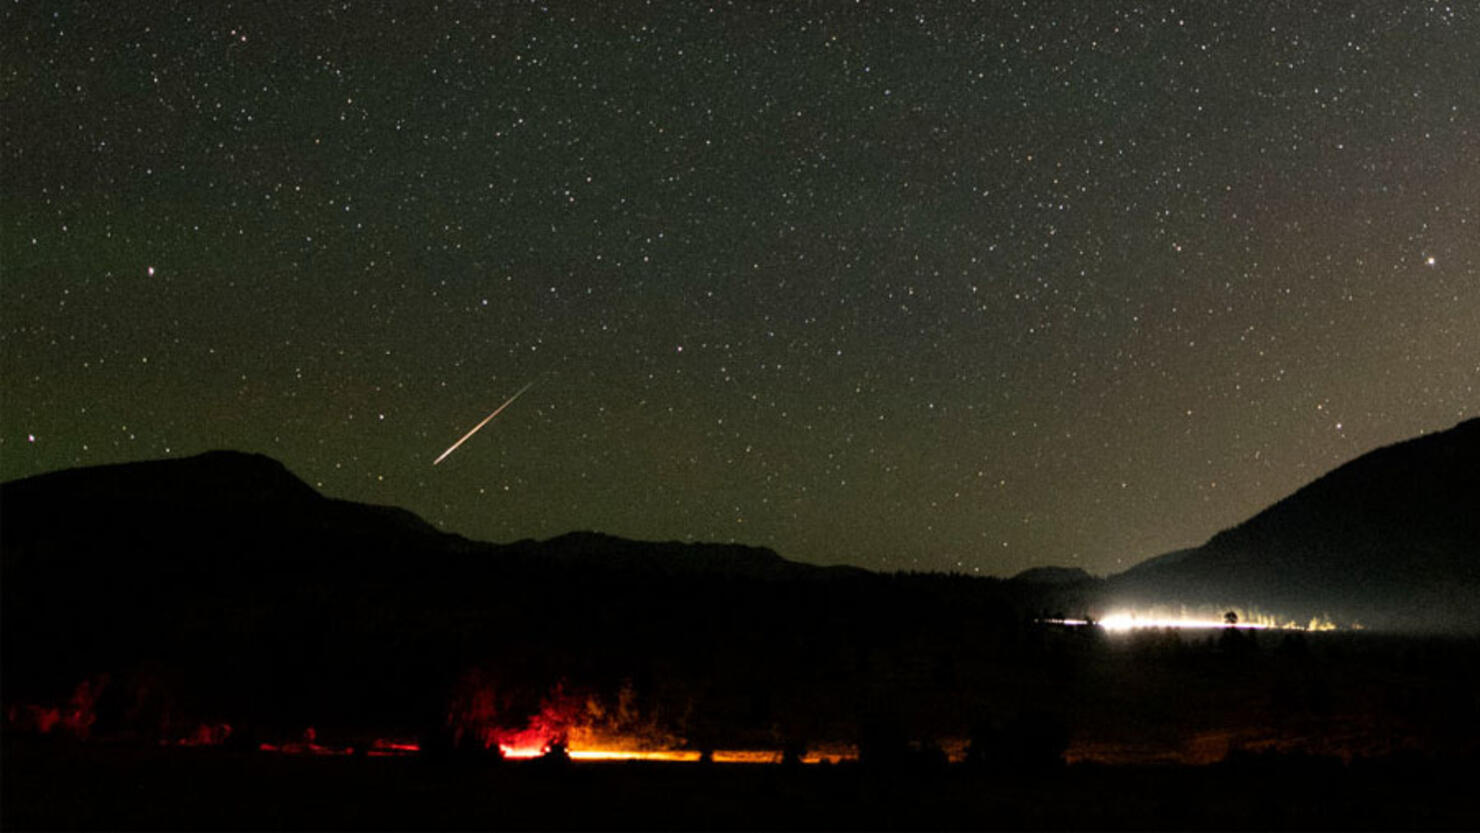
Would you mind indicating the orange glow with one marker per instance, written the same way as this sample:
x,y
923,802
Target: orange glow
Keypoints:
x,y
584,728
688,756
588,730
830,755
746,756
681,755
518,753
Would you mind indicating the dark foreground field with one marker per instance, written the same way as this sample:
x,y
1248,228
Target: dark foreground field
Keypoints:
x,y
47,786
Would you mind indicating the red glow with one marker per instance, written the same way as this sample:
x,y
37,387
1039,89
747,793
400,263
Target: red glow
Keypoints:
x,y
308,746
384,748
549,726
33,718
579,728
206,734
76,717
586,730
79,716
475,718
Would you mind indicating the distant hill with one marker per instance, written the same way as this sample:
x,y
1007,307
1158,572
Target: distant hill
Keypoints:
x,y
598,551
1390,540
1053,575
228,512
206,513
268,602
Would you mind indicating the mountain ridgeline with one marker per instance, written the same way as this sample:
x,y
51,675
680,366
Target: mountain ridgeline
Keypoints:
x,y
267,602
228,581
1390,540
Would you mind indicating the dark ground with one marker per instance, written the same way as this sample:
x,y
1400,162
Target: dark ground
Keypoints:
x,y
52,786
272,609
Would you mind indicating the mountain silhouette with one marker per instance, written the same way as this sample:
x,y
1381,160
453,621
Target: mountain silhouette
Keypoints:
x,y
231,583
216,517
212,476
226,510
1389,540
278,601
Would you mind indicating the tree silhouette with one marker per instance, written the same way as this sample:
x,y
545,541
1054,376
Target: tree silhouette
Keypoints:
x,y
1035,740
882,741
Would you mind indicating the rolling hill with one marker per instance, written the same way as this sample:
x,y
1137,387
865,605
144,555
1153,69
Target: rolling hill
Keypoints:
x,y
1389,540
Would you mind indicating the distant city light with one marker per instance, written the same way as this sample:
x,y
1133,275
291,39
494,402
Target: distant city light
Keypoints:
x,y
1121,622
1129,621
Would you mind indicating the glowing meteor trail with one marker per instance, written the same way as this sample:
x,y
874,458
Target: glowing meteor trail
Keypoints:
x,y
485,421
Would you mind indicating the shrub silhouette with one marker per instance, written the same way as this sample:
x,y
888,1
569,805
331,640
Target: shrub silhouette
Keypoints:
x,y
882,742
1034,741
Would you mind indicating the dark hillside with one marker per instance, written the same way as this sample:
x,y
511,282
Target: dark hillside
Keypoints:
x,y
263,600
1390,539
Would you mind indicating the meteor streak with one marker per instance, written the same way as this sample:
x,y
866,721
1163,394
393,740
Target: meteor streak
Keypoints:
x,y
485,421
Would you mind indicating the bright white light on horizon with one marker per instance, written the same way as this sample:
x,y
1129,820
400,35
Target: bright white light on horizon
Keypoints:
x,y
1128,621
1120,622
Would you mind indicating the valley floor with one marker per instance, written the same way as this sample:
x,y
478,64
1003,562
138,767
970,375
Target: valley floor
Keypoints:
x,y
50,786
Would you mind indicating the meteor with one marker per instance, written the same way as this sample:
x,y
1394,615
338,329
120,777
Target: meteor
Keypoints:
x,y
485,421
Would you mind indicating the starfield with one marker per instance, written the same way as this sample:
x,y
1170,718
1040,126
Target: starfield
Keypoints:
x,y
503,414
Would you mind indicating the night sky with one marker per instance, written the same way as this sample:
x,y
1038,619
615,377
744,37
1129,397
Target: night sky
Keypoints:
x,y
912,287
